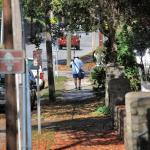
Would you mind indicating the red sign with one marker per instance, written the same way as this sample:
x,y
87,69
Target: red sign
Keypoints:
x,y
11,61
37,61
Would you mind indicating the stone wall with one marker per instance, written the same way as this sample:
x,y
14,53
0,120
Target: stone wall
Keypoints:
x,y
119,114
136,128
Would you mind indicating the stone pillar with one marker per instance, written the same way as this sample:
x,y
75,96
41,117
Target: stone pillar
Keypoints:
x,y
137,105
112,72
117,88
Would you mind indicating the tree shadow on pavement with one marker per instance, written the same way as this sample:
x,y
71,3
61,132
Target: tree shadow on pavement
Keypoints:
x,y
86,140
75,122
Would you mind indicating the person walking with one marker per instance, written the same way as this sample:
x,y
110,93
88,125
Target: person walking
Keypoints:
x,y
76,64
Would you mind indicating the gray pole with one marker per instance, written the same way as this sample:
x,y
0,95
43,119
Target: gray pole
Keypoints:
x,y
2,28
18,112
57,60
24,107
28,108
68,48
38,103
19,43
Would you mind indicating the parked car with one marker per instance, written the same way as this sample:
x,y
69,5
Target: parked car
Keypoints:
x,y
75,41
34,71
33,88
2,89
41,76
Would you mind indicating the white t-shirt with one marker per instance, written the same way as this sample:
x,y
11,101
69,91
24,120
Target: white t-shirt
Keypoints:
x,y
76,64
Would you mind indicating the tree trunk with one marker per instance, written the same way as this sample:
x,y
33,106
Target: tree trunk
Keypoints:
x,y
111,56
31,29
51,84
50,71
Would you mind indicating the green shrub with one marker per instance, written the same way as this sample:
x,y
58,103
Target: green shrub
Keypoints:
x,y
98,76
133,75
102,111
126,56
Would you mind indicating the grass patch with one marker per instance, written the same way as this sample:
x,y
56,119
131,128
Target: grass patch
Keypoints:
x,y
44,93
59,83
59,86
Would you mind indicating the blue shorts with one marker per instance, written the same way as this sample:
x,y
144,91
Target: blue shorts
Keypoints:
x,y
75,75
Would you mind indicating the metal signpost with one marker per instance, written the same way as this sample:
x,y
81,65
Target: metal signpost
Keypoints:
x,y
37,61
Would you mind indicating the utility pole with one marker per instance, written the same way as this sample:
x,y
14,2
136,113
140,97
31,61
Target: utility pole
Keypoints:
x,y
100,39
11,129
93,40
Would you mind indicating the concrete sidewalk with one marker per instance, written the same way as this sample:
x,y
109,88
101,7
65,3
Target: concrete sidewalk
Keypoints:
x,y
79,129
72,94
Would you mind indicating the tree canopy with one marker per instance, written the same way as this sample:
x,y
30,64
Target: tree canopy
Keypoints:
x,y
104,15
